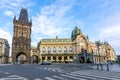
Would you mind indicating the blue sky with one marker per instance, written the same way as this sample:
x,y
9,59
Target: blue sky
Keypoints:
x,y
99,19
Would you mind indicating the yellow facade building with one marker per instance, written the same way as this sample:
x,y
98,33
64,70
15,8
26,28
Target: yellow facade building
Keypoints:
x,y
105,54
77,49
57,50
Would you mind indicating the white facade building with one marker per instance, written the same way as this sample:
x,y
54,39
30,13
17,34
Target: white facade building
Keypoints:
x,y
4,51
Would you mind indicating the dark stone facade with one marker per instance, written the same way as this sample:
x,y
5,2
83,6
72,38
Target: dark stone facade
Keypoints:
x,y
21,42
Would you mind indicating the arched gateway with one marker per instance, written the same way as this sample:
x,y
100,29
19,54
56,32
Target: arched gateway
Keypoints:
x,y
21,58
21,42
35,59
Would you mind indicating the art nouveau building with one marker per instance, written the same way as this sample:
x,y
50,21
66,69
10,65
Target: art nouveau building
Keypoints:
x,y
91,52
81,46
77,49
105,54
4,51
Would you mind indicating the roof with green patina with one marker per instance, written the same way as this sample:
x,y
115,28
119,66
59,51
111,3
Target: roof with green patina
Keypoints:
x,y
57,40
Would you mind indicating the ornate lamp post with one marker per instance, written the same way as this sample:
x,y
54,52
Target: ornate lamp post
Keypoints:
x,y
106,44
98,44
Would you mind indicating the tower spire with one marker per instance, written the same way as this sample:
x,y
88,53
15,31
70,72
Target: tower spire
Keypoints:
x,y
23,18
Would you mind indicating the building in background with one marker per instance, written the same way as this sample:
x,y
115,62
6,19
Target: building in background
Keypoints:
x,y
57,50
81,46
78,49
4,51
34,53
105,54
21,42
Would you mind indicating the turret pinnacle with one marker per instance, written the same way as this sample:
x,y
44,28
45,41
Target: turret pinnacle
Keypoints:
x,y
23,18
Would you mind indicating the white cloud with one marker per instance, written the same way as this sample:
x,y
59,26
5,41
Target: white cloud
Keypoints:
x,y
9,13
14,4
10,7
111,34
52,20
6,35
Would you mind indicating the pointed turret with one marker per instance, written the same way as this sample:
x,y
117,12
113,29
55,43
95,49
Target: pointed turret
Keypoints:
x,y
23,18
14,20
31,21
21,42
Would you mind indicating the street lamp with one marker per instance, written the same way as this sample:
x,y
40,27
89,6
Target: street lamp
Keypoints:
x,y
106,44
85,55
98,44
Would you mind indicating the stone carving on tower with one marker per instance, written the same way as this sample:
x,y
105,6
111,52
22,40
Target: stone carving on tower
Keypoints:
x,y
21,41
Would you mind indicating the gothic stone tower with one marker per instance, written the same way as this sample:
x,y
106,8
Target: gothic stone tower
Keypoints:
x,y
21,42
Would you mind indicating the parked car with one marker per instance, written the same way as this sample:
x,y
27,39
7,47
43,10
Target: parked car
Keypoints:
x,y
46,63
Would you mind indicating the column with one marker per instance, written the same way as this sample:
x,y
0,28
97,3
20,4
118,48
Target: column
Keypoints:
x,y
57,58
46,58
63,59
51,58
68,59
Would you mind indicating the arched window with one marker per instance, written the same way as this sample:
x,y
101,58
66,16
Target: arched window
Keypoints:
x,y
65,49
70,50
43,58
49,58
24,34
49,50
60,49
60,58
54,50
54,58
43,50
71,57
65,57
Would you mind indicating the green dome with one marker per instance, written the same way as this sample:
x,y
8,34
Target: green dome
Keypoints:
x,y
75,32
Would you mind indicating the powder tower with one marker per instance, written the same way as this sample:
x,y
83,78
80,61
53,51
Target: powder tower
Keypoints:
x,y
21,41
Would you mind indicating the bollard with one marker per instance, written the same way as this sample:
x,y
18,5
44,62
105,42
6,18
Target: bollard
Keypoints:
x,y
97,67
101,66
107,67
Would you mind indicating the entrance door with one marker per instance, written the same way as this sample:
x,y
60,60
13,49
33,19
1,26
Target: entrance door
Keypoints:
x,y
35,59
81,59
21,58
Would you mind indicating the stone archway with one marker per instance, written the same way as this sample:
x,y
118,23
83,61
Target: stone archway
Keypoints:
x,y
21,58
35,59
